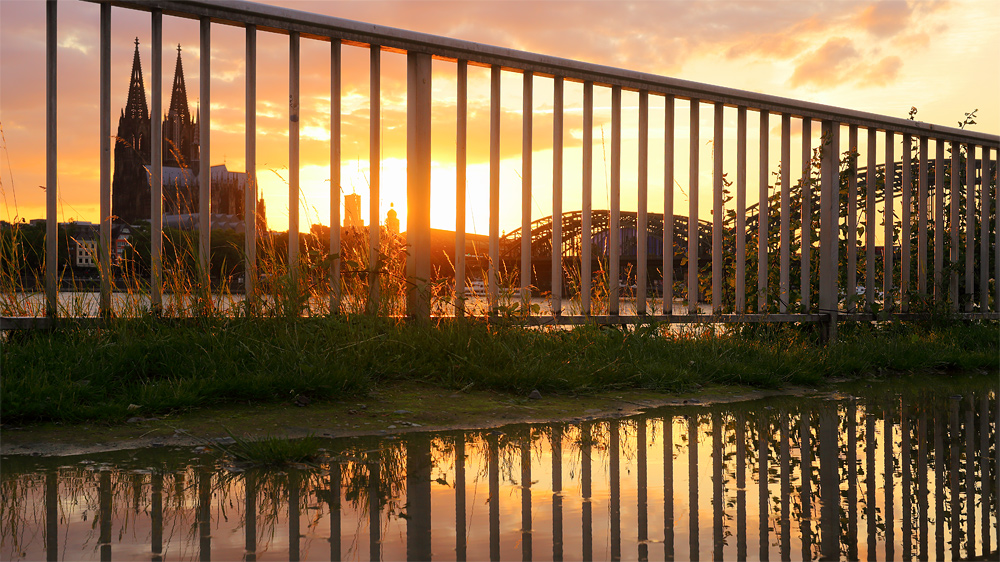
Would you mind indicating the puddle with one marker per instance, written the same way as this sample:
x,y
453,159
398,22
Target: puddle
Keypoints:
x,y
884,473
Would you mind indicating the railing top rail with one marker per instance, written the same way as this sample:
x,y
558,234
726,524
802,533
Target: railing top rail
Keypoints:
x,y
323,27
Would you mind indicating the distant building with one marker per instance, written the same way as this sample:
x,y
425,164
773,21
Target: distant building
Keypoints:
x,y
84,239
352,211
391,222
130,189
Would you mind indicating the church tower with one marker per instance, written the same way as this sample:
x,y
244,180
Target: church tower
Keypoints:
x,y
130,189
180,133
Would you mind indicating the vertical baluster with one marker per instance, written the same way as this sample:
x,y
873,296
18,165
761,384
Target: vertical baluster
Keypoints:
x,y
336,68
805,225
375,174
668,205
763,491
693,485
871,483
852,219
693,237
51,147
294,59
527,113
954,438
786,543
461,543
829,242
984,469
156,513
374,506
889,478
334,505
493,450
525,498
250,191
586,273
156,165
785,253
614,459
984,231
763,214
641,230
557,514
104,250
870,221
461,147
954,200
52,515
717,227
494,259
970,228
906,469
741,208
418,185
805,478
906,188
889,220
970,477
852,479
557,178
741,490
294,534
718,483
614,230
939,233
668,488
922,180
939,455
641,491
828,442
204,511
587,527
923,509
205,155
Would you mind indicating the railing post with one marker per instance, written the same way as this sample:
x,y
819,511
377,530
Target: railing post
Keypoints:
x,y
104,248
156,165
586,250
461,146
829,227
375,174
668,205
692,279
51,176
527,113
205,155
717,210
335,149
494,257
614,224
557,179
250,193
294,62
418,184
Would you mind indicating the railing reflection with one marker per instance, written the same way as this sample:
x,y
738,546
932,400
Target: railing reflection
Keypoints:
x,y
928,475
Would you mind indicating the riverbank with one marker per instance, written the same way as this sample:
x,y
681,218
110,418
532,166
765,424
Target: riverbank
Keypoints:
x,y
144,368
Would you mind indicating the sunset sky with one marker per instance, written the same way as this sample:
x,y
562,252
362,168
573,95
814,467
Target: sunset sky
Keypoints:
x,y
881,57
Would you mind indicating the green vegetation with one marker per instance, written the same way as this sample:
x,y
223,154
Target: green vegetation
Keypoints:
x,y
272,450
161,366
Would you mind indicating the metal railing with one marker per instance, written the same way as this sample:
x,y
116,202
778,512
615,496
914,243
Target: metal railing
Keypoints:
x,y
837,222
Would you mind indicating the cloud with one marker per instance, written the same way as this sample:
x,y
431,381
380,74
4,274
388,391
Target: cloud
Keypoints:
x,y
884,19
827,65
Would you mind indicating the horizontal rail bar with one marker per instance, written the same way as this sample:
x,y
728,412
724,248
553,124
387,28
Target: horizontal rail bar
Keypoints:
x,y
317,26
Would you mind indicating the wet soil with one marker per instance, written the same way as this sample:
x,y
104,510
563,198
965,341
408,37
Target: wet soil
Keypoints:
x,y
400,408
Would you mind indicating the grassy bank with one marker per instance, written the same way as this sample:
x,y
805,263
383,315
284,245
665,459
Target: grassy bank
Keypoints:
x,y
96,374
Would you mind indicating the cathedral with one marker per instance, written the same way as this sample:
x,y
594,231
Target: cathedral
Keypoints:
x,y
130,189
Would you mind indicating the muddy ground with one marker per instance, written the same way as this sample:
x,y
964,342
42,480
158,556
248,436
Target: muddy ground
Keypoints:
x,y
399,408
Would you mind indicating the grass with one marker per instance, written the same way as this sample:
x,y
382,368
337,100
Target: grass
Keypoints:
x,y
163,366
272,450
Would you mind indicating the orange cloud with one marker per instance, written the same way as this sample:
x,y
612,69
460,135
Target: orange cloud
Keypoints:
x,y
827,65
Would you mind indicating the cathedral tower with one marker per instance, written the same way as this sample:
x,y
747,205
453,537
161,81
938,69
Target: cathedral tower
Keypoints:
x,y
130,189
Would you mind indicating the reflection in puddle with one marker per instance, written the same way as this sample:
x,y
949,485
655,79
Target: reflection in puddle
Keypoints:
x,y
911,476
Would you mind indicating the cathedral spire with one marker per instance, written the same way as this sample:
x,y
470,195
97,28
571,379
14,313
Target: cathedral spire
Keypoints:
x,y
178,96
136,107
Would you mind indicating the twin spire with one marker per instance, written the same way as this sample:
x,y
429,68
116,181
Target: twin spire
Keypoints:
x,y
136,107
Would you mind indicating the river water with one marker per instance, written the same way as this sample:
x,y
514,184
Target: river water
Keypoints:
x,y
898,471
